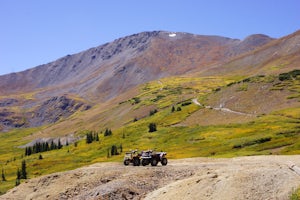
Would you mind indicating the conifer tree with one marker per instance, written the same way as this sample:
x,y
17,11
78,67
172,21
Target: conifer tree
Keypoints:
x,y
59,146
52,145
18,174
152,127
114,150
3,175
47,147
23,170
107,132
89,138
27,151
18,177
173,109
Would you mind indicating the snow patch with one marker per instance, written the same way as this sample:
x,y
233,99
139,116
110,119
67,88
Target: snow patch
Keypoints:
x,y
172,34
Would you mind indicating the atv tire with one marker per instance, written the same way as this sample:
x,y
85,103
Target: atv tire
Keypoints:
x,y
164,161
136,162
126,162
154,162
145,162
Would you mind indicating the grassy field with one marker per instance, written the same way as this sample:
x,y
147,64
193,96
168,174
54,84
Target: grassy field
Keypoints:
x,y
274,133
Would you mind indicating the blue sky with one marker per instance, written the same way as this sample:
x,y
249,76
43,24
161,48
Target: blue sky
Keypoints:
x,y
35,32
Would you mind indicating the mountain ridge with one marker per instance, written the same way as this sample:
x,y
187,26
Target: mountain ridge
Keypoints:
x,y
109,71
80,65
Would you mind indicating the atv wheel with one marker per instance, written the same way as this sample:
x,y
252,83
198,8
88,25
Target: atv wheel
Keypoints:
x,y
126,162
136,162
164,161
145,162
154,162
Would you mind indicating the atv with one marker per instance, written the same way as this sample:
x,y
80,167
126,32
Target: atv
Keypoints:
x,y
153,158
132,157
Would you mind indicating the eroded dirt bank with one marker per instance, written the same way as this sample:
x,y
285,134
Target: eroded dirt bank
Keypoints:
x,y
258,177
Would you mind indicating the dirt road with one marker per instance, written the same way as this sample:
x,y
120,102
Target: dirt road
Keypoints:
x,y
195,101
258,177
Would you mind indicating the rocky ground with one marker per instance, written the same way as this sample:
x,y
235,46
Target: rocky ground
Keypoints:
x,y
258,177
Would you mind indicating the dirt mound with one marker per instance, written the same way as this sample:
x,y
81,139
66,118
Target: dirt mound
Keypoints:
x,y
259,177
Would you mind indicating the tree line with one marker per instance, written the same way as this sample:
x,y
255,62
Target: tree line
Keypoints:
x,y
91,136
42,147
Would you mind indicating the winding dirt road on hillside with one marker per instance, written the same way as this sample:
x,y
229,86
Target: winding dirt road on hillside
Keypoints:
x,y
258,177
195,101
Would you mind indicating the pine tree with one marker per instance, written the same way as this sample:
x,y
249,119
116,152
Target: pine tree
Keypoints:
x,y
18,177
47,147
173,109
29,151
97,137
52,145
89,138
40,157
23,170
152,127
3,175
59,146
107,132
37,147
18,174
114,150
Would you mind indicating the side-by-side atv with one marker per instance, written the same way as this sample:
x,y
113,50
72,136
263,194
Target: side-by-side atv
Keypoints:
x,y
153,158
132,157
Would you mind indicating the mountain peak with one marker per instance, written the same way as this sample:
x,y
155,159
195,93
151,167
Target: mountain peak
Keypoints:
x,y
257,40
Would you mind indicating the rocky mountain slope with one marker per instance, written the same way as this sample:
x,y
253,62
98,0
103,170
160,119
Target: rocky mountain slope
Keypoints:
x,y
107,71
277,56
114,70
